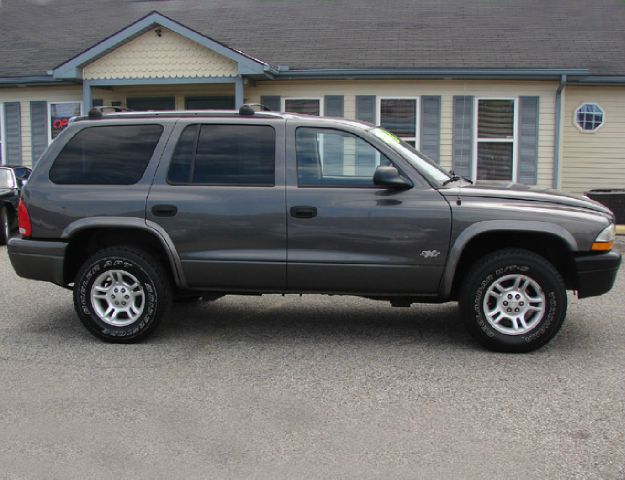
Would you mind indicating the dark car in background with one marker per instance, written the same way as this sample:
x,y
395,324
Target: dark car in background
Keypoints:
x,y
12,179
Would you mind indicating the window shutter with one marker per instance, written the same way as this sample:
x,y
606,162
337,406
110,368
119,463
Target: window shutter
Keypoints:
x,y
13,130
38,128
272,102
430,142
365,108
463,135
528,140
333,105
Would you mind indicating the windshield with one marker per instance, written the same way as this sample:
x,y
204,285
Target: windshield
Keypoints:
x,y
421,162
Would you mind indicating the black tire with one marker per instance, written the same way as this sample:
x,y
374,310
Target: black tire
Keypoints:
x,y
5,225
498,267
150,276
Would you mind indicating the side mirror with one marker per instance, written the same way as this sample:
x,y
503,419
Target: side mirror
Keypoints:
x,y
388,176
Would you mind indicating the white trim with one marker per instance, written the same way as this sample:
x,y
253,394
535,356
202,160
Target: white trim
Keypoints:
x,y
575,117
378,116
48,116
3,136
284,99
514,140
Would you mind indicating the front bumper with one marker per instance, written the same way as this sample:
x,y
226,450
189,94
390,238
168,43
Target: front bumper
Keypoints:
x,y
596,273
38,260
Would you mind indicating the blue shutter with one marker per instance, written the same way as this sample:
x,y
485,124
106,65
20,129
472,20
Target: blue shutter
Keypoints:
x,y
13,131
38,128
463,135
365,108
272,102
430,142
333,105
528,140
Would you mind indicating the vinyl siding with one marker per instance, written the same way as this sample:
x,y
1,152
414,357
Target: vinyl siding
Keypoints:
x,y
28,94
594,160
446,89
166,56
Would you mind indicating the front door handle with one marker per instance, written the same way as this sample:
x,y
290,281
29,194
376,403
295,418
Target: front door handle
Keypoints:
x,y
164,210
303,212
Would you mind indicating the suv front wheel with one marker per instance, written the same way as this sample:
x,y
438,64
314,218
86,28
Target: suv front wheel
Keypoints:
x,y
121,294
513,301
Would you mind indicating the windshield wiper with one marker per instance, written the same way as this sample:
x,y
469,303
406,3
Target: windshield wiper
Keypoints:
x,y
455,178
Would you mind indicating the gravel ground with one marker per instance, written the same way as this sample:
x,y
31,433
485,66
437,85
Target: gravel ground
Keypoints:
x,y
306,387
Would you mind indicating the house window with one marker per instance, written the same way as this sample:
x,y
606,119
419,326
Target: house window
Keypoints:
x,y
496,140
589,117
59,114
399,115
308,106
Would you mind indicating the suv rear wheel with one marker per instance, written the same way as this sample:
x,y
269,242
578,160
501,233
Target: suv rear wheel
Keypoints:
x,y
121,294
513,301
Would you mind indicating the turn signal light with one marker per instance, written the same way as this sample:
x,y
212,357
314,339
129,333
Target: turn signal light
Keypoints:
x,y
602,246
23,220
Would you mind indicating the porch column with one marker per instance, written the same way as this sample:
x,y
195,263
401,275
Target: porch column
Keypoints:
x,y
86,97
238,92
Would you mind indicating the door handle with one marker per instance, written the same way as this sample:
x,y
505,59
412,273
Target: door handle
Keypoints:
x,y
303,212
164,210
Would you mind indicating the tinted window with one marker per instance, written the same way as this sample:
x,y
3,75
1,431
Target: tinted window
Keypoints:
x,y
334,158
112,155
225,155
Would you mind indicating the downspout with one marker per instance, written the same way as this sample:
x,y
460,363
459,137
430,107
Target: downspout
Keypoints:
x,y
557,135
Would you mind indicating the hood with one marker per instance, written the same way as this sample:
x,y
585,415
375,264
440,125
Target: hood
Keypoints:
x,y
515,191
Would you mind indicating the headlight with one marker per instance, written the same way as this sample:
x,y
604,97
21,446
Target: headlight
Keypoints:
x,y
605,239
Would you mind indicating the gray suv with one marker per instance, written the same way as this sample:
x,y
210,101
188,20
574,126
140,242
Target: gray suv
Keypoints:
x,y
134,210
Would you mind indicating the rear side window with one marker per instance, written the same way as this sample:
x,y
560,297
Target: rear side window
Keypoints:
x,y
109,155
224,155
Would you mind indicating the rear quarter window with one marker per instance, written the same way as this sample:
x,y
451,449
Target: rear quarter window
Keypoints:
x,y
107,155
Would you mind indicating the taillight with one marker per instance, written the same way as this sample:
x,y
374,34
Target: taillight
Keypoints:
x,y
23,220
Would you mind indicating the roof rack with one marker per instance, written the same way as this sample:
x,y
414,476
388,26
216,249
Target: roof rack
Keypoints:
x,y
122,112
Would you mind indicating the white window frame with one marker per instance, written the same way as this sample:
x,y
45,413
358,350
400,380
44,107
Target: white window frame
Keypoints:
x,y
575,117
50,114
3,147
320,99
515,136
378,120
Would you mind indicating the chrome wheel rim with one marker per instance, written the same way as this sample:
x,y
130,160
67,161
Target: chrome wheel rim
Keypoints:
x,y
117,298
514,304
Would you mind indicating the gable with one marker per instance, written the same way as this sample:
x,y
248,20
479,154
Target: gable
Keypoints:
x,y
160,53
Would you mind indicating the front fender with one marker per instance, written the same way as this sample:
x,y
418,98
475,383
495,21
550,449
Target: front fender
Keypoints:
x,y
497,226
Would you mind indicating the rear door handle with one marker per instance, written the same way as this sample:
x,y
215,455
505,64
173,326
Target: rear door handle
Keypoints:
x,y
164,210
303,212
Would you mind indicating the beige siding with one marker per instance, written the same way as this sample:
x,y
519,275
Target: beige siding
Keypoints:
x,y
167,56
447,90
26,95
594,160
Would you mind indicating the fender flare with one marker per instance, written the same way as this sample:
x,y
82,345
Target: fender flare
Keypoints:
x,y
132,222
497,226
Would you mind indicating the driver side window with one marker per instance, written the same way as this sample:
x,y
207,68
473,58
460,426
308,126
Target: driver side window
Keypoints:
x,y
334,158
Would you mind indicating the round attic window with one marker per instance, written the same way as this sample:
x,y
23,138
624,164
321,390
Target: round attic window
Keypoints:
x,y
589,117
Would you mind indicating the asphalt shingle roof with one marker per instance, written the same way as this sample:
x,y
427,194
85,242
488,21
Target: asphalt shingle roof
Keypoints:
x,y
37,35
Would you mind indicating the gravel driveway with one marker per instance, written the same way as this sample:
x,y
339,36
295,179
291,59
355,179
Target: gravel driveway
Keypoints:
x,y
306,387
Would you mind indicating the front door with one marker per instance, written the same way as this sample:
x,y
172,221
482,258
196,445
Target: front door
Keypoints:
x,y
348,235
209,103
221,200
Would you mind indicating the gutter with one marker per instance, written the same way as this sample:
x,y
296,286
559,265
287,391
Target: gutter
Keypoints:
x,y
31,80
557,134
428,73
